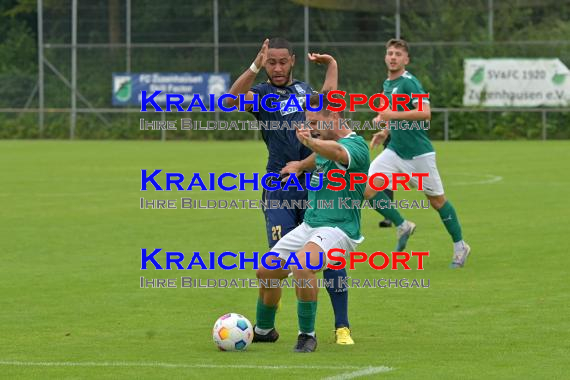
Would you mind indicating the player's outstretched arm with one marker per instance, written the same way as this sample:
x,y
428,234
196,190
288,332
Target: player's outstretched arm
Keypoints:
x,y
378,138
415,114
329,149
298,167
331,77
245,81
309,163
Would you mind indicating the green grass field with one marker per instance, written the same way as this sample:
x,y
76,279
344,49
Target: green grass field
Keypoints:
x,y
71,306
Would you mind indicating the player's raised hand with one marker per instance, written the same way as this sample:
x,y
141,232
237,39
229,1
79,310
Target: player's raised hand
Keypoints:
x,y
321,59
304,135
378,138
262,55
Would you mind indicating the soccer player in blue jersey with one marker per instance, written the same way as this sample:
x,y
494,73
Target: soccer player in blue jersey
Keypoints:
x,y
277,59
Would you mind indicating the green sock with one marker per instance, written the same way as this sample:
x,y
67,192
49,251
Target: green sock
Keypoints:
x,y
449,219
388,213
265,318
307,313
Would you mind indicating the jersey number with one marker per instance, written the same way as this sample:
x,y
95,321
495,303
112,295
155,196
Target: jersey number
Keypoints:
x,y
276,232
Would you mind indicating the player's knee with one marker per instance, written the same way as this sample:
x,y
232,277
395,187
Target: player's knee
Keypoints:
x,y
262,274
369,193
437,202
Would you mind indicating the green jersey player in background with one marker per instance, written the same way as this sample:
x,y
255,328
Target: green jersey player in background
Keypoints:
x,y
410,150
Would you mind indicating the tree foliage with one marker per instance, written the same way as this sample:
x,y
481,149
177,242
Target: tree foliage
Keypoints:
x,y
442,35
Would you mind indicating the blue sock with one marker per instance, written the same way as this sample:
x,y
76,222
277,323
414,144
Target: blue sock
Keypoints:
x,y
339,296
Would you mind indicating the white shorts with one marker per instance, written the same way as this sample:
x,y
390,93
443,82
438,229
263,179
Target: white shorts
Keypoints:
x,y
389,162
325,237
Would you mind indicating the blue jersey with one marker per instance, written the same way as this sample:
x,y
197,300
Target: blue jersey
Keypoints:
x,y
282,144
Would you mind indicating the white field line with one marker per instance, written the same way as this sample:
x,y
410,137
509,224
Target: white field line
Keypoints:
x,y
486,179
174,365
363,372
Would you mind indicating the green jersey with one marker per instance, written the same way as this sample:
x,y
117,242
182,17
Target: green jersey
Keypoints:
x,y
407,143
339,215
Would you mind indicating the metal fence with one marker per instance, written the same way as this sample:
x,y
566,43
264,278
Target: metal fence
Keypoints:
x,y
80,44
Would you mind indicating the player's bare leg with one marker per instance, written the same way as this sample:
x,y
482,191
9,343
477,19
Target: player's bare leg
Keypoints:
x,y
270,295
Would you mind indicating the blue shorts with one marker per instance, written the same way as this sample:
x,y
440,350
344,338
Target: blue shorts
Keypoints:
x,y
280,221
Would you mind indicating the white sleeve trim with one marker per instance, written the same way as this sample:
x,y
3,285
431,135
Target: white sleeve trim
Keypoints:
x,y
415,100
340,165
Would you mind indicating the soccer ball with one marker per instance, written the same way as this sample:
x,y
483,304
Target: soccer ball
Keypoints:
x,y
232,332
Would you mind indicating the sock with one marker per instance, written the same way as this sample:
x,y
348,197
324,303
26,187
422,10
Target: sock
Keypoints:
x,y
389,193
265,315
313,334
307,313
449,219
339,296
388,213
261,331
458,245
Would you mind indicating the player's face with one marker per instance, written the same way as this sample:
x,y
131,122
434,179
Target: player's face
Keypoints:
x,y
316,121
396,59
279,65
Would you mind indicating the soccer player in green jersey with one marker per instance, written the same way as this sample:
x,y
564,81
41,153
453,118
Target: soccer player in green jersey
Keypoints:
x,y
410,150
323,228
